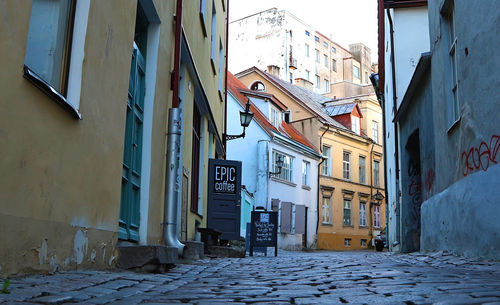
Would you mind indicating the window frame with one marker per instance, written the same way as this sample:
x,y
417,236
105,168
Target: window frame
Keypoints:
x,y
362,214
317,80
376,173
376,216
326,213
375,133
355,68
213,34
452,101
346,165
334,65
287,168
362,169
306,50
306,173
327,160
356,124
349,209
316,54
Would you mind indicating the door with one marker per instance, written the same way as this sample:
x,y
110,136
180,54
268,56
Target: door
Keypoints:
x,y
224,197
132,155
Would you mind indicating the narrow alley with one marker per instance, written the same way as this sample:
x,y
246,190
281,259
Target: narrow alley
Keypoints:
x,y
320,277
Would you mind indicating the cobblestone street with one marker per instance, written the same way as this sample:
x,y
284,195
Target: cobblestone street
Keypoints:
x,y
291,278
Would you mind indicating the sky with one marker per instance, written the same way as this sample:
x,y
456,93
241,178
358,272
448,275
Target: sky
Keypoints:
x,y
347,21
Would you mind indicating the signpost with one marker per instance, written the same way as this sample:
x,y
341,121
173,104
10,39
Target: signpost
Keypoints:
x,y
264,230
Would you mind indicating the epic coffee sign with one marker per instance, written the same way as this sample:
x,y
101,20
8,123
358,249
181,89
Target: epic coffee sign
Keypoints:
x,y
225,179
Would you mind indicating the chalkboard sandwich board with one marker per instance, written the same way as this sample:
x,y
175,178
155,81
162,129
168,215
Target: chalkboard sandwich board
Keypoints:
x,y
264,230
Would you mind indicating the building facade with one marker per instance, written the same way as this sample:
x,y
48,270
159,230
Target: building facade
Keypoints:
x,y
350,174
89,171
292,191
278,40
447,139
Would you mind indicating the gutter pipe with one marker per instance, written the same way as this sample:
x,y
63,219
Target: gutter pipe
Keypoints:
x,y
172,179
319,171
225,81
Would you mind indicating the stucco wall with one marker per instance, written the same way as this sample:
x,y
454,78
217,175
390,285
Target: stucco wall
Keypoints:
x,y
62,191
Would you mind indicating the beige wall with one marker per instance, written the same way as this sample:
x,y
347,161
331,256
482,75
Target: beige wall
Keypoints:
x,y
60,198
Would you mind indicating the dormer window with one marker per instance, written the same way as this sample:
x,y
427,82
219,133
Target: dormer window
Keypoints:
x,y
258,86
275,116
355,124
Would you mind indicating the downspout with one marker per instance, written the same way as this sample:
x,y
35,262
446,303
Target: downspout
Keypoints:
x,y
172,179
370,230
396,136
381,79
225,81
319,171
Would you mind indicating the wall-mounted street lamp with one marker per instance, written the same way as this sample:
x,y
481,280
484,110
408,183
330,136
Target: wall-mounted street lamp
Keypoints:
x,y
245,119
378,196
279,165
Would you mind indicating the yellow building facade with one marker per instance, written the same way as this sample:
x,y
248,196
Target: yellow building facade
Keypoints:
x,y
83,130
350,196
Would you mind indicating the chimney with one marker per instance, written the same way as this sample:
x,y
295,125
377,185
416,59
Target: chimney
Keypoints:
x,y
273,70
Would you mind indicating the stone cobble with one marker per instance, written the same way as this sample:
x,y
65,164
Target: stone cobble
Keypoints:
x,y
320,277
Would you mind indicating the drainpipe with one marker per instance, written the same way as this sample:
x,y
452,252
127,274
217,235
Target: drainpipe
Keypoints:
x,y
225,81
172,179
319,173
396,136
371,192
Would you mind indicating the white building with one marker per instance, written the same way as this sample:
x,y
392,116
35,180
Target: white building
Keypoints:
x,y
277,40
293,191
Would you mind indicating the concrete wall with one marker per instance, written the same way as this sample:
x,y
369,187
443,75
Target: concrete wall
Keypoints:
x,y
60,196
462,211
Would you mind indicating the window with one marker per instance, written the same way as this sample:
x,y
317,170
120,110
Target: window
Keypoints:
x,y
203,13
334,65
307,74
49,43
355,124
327,85
376,170
346,165
291,77
317,82
367,80
334,50
347,212
325,44
258,86
376,216
316,38
355,72
325,167
453,104
362,214
347,242
363,242
326,210
362,170
213,35
287,169
275,117
306,172
221,68
316,51
325,60
375,132
287,115
307,50
308,34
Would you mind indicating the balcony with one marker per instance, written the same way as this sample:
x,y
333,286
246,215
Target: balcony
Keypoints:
x,y
293,64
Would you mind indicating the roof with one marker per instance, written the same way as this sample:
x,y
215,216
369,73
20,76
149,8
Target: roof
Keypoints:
x,y
339,109
239,91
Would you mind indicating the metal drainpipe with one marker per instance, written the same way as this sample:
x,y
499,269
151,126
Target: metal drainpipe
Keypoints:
x,y
396,136
319,171
172,179
224,142
371,192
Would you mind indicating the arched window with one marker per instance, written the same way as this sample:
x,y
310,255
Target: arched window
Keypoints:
x,y
258,86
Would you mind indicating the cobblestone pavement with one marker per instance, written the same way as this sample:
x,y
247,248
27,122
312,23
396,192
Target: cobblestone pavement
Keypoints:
x,y
291,278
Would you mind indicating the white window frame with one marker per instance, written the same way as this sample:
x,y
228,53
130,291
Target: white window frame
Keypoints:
x,y
325,166
356,127
376,216
347,206
334,65
362,169
346,165
453,102
326,210
318,85
316,52
275,116
306,50
213,34
325,60
362,214
354,70
286,169
327,85
306,173
376,173
307,72
375,132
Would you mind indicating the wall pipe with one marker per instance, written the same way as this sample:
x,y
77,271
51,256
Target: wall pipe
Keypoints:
x,y
172,179
319,171
225,81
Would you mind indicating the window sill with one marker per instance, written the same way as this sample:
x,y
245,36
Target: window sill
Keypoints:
x,y
221,96
50,92
454,125
203,26
363,227
327,224
196,213
306,187
284,181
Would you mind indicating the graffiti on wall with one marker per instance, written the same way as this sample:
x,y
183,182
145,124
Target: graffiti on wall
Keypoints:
x,y
415,194
482,156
